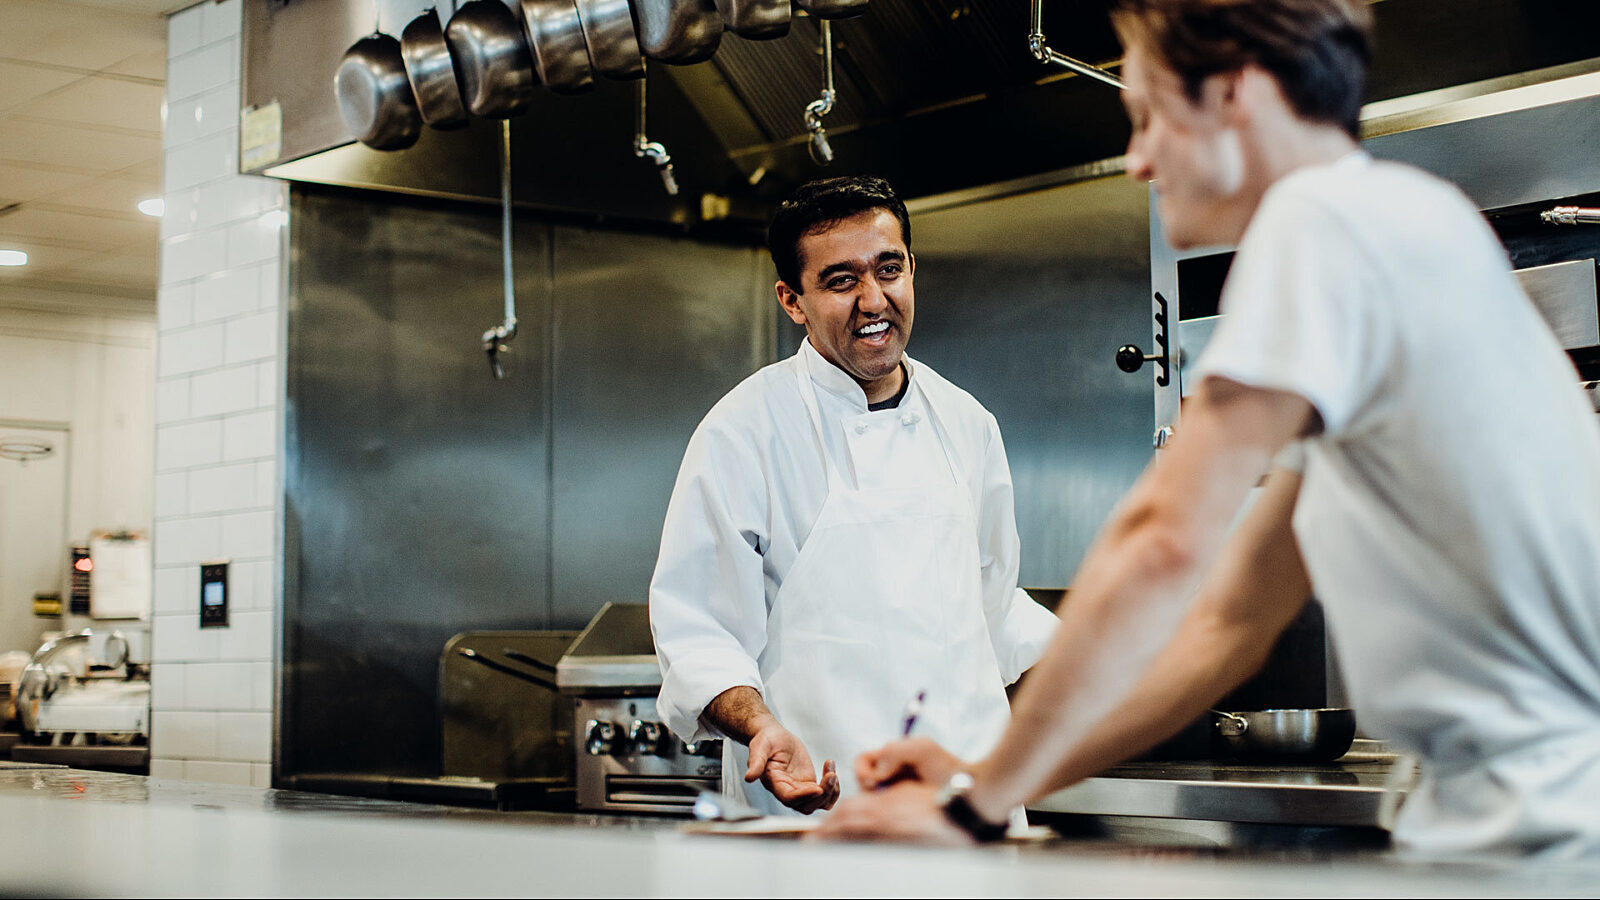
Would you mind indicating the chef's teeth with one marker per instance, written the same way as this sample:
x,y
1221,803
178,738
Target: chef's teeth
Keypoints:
x,y
872,329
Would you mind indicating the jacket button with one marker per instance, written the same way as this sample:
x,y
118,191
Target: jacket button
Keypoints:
x,y
861,429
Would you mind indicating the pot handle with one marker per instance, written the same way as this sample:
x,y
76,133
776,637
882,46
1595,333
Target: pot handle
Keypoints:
x,y
1231,725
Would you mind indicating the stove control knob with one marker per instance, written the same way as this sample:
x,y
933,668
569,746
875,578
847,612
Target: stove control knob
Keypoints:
x,y
646,737
599,737
710,747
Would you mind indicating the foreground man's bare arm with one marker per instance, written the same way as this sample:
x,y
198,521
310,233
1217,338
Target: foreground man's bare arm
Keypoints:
x,y
1133,659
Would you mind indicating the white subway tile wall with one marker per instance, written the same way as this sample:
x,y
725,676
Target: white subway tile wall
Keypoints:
x,y
217,418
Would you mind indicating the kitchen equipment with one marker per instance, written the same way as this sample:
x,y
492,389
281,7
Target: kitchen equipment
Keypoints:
x,y
1565,295
501,717
833,9
608,31
1288,735
627,760
493,63
560,51
680,32
81,688
375,99
432,72
755,19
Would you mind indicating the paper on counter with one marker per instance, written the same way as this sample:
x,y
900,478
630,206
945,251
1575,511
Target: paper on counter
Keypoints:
x,y
770,826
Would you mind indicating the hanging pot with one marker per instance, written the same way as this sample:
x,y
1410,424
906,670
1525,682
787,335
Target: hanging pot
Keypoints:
x,y
680,32
374,97
608,31
833,9
560,53
756,19
493,62
432,72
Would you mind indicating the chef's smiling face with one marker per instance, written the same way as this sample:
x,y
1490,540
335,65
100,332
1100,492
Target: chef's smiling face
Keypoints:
x,y
857,299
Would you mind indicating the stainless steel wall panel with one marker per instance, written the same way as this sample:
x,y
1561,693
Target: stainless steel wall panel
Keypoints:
x,y
1023,301
649,333
417,499
1520,156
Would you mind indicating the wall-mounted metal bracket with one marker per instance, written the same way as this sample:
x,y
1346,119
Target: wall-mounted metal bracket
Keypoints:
x,y
1042,52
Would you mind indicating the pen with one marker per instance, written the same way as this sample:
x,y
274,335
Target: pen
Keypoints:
x,y
913,709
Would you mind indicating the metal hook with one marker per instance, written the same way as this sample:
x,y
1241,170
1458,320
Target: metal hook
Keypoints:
x,y
821,151
495,339
644,148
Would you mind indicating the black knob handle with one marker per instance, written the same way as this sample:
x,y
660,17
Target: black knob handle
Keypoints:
x,y
1130,358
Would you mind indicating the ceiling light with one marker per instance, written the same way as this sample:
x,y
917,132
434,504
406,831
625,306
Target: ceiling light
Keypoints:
x,y
13,258
155,206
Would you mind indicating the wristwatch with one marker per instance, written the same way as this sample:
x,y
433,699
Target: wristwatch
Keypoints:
x,y
958,809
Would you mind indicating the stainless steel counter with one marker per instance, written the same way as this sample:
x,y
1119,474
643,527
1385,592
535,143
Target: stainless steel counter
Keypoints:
x,y
92,833
1346,793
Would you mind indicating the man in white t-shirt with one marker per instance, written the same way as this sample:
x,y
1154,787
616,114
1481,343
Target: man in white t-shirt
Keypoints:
x,y
1448,512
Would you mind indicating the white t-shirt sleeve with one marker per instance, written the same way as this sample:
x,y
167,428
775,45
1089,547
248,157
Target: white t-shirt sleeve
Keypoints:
x,y
1303,310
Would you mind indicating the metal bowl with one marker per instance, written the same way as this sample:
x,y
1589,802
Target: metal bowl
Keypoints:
x,y
560,51
613,44
493,62
432,72
1288,735
374,96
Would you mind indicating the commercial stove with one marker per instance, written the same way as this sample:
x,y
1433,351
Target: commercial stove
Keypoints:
x,y
627,759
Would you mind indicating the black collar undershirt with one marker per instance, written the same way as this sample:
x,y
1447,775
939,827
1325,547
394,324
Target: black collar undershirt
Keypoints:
x,y
894,401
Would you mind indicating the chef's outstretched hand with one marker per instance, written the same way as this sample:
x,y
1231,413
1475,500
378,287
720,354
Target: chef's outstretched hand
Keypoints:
x,y
908,811
915,759
780,760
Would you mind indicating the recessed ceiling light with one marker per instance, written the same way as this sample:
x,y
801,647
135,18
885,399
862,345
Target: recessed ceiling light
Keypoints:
x,y
155,206
13,258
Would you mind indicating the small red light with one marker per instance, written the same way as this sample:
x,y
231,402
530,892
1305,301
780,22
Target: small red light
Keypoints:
x,y
83,565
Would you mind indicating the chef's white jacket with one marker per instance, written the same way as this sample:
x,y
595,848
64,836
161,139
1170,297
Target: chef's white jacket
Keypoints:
x,y
751,485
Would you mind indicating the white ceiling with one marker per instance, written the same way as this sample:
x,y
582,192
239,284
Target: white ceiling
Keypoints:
x,y
81,86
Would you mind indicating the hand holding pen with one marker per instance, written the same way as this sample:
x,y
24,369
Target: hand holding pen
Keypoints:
x,y
914,759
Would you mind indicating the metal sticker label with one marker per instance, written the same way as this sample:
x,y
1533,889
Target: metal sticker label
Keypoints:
x,y
260,136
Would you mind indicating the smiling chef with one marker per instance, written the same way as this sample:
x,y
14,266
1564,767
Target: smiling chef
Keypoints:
x,y
841,537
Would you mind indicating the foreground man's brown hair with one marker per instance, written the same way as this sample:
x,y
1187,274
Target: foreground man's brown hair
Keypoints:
x,y
1318,50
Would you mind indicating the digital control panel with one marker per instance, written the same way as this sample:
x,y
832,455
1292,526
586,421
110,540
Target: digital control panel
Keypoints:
x,y
214,594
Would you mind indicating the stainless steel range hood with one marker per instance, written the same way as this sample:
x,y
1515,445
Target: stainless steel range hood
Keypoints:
x,y
937,95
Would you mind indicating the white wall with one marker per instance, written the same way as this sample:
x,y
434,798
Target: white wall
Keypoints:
x,y
218,418
93,373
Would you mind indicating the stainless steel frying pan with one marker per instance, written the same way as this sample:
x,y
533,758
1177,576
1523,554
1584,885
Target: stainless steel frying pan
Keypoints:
x,y
613,44
680,32
432,72
374,97
756,19
492,59
560,52
1288,735
833,9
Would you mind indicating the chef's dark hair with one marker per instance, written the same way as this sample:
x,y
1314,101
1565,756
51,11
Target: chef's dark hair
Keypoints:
x,y
816,206
1318,50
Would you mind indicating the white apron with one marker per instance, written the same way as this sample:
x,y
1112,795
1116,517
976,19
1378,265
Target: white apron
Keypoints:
x,y
883,601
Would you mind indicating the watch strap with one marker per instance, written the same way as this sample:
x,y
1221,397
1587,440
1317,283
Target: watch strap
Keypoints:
x,y
960,812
